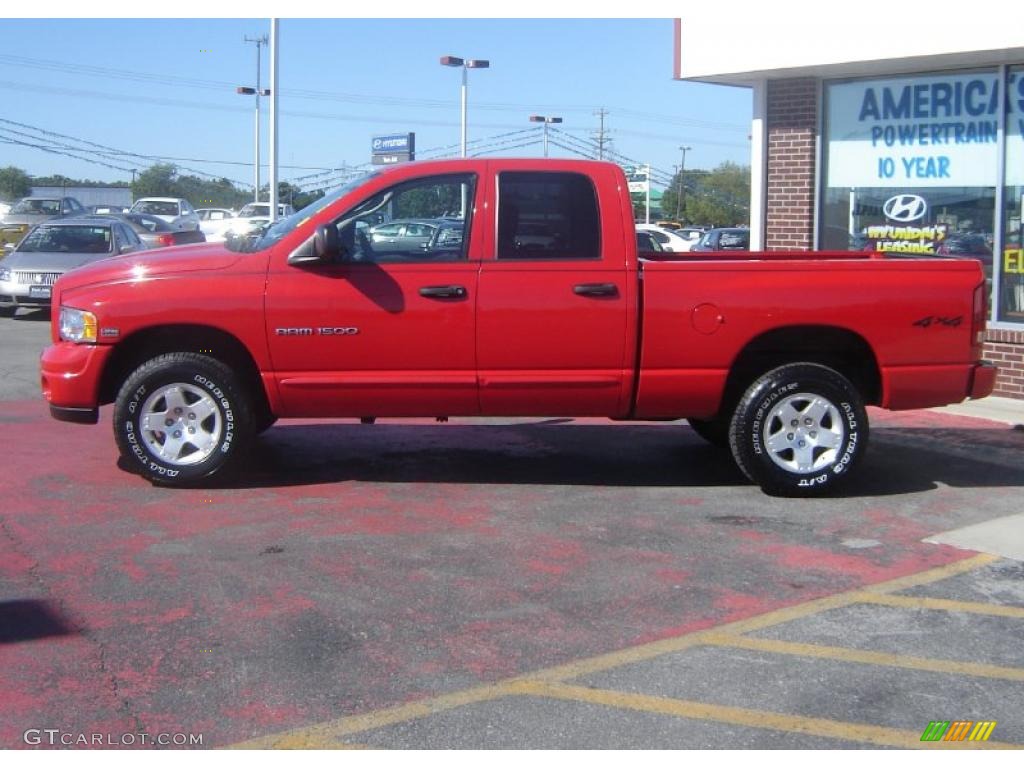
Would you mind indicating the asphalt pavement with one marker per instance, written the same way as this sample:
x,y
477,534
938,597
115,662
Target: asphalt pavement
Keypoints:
x,y
508,583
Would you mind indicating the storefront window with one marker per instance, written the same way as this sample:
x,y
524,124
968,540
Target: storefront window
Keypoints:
x,y
1011,274
911,165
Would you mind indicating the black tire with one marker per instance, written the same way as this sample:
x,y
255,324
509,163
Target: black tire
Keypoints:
x,y
193,393
714,431
8,311
263,422
829,434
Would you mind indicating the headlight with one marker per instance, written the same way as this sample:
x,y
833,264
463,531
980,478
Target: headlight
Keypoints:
x,y
77,325
5,275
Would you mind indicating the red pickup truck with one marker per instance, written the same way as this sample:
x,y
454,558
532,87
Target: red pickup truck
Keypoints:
x,y
506,287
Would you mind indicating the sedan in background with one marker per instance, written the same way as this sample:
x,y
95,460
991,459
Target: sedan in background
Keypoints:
x,y
155,232
251,218
724,239
174,210
27,274
29,211
667,239
645,243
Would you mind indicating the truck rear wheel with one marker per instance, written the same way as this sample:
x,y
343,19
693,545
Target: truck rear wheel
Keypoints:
x,y
181,418
799,430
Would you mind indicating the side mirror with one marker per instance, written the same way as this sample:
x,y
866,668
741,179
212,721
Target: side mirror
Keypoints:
x,y
126,249
326,245
325,248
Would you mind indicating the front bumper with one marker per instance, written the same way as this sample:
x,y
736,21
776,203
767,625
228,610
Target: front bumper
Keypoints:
x,y
70,377
14,294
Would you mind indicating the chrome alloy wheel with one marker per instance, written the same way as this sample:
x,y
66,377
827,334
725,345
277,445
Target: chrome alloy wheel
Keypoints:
x,y
181,424
803,433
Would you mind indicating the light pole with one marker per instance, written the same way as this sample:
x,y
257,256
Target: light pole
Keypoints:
x,y
682,189
257,91
545,119
465,64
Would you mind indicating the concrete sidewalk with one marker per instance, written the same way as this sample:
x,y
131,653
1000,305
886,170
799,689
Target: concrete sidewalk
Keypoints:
x,y
1005,409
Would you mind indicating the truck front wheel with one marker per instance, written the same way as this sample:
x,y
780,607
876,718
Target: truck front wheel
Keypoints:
x,y
799,430
182,417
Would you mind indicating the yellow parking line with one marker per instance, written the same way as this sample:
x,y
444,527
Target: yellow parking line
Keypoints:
x,y
877,658
938,604
753,718
328,734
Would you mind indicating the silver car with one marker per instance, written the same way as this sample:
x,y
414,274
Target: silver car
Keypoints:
x,y
175,211
27,273
29,211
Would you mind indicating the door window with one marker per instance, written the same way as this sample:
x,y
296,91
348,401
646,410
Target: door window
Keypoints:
x,y
547,216
400,223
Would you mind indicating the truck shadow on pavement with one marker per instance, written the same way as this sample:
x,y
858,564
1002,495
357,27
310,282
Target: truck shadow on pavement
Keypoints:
x,y
551,452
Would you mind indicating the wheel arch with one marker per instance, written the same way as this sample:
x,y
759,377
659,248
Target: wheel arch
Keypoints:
x,y
147,343
839,348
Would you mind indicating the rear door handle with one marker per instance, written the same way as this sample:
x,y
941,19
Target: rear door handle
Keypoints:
x,y
596,289
443,292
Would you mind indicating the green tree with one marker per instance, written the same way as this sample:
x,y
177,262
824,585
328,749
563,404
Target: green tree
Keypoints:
x,y
156,181
14,183
720,197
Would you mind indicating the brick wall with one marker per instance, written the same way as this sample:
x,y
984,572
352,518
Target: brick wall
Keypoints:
x,y
792,125
1006,349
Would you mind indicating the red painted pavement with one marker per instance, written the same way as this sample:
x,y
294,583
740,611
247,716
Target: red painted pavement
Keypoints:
x,y
355,567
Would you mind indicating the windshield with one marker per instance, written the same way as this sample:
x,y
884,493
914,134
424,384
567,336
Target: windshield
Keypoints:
x,y
84,239
45,207
283,226
156,207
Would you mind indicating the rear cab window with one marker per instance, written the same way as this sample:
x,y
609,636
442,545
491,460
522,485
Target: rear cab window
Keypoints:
x,y
547,215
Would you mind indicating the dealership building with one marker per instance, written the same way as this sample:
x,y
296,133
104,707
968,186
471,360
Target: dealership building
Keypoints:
x,y
887,135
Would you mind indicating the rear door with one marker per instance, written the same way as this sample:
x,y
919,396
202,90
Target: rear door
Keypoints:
x,y
556,303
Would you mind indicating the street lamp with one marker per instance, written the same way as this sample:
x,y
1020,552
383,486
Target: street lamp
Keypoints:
x,y
682,191
545,119
465,64
257,92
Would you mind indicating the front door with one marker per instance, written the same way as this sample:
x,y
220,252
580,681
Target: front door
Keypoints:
x,y
386,330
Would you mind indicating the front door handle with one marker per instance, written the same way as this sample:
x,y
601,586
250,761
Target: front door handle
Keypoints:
x,y
596,289
443,292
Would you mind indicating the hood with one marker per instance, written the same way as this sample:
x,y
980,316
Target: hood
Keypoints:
x,y
145,264
13,219
42,261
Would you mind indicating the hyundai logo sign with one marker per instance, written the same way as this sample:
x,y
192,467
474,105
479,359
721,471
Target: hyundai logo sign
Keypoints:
x,y
386,145
904,208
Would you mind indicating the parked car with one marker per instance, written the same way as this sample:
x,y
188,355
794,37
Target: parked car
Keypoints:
x,y
447,240
154,232
215,214
29,211
724,239
27,274
251,217
406,236
645,243
668,239
174,210
692,234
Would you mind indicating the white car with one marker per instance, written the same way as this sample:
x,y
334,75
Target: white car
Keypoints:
x,y
252,216
174,210
668,239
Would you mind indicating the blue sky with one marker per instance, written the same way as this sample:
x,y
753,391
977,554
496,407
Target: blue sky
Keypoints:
x,y
166,88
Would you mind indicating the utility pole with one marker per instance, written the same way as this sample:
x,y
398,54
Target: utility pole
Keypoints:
x,y
273,118
260,42
599,136
682,189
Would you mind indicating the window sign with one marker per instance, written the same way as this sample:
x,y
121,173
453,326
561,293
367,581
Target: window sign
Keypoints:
x,y
930,131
